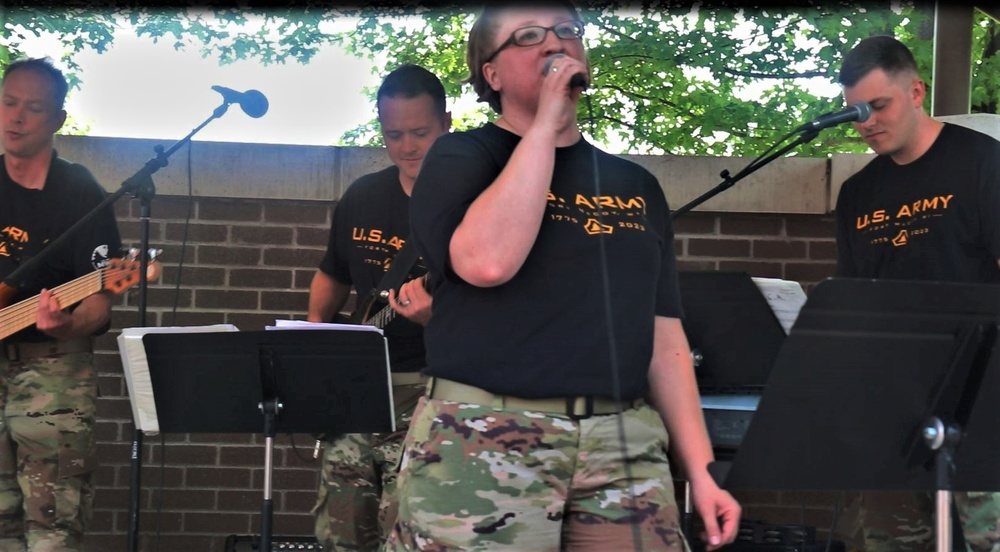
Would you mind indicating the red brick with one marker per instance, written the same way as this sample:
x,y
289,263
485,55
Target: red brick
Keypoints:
x,y
187,455
820,250
695,223
698,247
753,268
183,318
687,265
288,301
263,235
241,500
229,256
303,278
217,478
810,226
298,212
170,207
779,249
312,237
292,257
211,522
228,300
197,233
809,272
192,276
751,225
260,278
229,210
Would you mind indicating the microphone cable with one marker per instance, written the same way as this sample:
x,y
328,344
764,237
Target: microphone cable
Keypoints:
x,y
616,391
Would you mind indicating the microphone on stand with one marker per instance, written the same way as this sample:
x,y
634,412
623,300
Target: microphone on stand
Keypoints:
x,y
576,81
859,112
252,102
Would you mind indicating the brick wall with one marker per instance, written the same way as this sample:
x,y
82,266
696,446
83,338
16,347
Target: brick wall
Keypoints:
x,y
248,262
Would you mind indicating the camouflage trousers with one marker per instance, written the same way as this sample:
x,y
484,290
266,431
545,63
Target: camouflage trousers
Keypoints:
x,y
48,409
356,505
476,477
904,521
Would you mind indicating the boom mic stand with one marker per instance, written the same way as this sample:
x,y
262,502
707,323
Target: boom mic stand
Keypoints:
x,y
141,185
806,134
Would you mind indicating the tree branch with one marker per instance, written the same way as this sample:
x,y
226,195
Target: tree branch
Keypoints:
x,y
755,75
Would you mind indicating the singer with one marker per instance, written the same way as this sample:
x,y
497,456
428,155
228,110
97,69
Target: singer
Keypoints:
x,y
927,208
48,383
555,318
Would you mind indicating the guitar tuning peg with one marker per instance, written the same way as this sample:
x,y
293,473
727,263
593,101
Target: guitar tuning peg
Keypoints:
x,y
132,254
154,253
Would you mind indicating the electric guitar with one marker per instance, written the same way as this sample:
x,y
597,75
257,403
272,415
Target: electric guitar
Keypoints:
x,y
119,275
381,318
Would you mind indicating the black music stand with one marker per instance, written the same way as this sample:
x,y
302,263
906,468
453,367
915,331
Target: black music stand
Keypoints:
x,y
293,381
719,307
871,370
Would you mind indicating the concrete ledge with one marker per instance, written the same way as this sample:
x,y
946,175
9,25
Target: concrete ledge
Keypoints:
x,y
322,173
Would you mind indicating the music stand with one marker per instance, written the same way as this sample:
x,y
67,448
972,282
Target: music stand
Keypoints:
x,y
865,367
293,381
719,307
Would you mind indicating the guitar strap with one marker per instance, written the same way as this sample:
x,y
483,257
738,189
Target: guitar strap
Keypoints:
x,y
400,267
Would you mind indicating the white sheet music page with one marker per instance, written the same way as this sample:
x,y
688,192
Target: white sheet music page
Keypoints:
x,y
136,368
785,298
306,325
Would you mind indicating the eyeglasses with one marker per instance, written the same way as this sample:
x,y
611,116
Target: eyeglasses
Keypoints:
x,y
530,36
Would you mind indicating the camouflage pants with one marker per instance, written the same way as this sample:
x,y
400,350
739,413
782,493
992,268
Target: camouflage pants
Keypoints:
x,y
476,477
356,504
904,521
47,414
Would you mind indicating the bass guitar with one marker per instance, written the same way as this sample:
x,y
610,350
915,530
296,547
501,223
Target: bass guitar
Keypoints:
x,y
119,275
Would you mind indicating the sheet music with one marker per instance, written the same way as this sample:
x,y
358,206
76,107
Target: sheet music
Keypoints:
x,y
306,325
785,298
136,368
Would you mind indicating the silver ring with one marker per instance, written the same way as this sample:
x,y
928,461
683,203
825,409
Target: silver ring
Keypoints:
x,y
555,69
405,303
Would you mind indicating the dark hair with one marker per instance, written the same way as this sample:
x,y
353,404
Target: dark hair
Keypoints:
x,y
410,81
483,36
876,52
45,67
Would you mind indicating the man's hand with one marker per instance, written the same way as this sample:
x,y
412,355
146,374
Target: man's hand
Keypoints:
x,y
413,301
50,317
89,316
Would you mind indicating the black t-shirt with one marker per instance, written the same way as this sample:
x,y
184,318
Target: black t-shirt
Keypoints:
x,y
937,218
30,219
370,225
545,332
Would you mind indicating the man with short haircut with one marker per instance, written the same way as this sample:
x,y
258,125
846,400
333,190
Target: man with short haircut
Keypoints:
x,y
371,223
48,384
927,208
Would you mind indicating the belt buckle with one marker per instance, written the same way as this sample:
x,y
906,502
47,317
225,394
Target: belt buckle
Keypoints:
x,y
588,407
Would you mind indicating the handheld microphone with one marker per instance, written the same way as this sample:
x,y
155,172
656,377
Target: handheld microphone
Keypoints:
x,y
252,102
576,81
859,112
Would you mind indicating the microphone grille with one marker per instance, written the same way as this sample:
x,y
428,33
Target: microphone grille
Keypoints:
x,y
254,103
864,111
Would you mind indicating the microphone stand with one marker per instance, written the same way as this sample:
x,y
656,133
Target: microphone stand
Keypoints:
x,y
806,134
141,185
